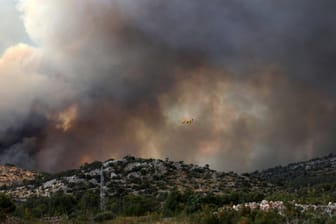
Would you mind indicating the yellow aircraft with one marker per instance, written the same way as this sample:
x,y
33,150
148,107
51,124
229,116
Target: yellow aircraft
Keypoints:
x,y
188,122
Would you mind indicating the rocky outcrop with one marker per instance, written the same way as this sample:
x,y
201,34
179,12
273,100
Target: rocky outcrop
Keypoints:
x,y
11,175
140,177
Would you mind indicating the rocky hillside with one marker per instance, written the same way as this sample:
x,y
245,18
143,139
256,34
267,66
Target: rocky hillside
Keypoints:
x,y
315,171
11,175
139,176
154,177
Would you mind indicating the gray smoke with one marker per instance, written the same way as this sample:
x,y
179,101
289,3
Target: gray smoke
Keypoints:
x,y
114,77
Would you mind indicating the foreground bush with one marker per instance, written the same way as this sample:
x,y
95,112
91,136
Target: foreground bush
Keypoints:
x,y
6,206
104,216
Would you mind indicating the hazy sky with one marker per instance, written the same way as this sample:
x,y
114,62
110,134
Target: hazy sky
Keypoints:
x,y
86,80
11,26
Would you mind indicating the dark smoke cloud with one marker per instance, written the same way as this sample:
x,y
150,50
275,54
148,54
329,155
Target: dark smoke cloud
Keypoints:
x,y
119,76
299,36
20,154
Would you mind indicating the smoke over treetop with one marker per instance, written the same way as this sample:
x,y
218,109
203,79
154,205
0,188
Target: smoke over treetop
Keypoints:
x,y
114,77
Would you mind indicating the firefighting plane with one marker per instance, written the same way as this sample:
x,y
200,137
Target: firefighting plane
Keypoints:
x,y
187,122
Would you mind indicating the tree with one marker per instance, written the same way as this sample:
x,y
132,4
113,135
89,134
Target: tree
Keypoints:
x,y
6,206
89,202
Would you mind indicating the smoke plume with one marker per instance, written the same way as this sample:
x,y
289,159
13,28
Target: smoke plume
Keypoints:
x,y
108,78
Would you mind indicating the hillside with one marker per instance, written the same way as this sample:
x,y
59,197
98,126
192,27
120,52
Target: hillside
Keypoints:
x,y
131,188
10,175
154,177
140,177
315,171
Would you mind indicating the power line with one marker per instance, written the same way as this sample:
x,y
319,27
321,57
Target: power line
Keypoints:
x,y
102,193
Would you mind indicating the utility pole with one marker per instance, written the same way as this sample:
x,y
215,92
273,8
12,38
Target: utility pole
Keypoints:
x,y
102,193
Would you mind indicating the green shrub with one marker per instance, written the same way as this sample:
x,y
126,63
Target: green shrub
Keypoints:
x,y
58,204
89,201
173,203
104,216
91,166
132,205
271,217
6,206
138,206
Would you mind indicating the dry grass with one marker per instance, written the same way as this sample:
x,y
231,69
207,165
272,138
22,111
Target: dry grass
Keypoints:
x,y
149,220
152,219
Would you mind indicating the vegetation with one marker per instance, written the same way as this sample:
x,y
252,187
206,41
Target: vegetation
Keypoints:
x,y
174,207
103,216
301,174
156,191
6,206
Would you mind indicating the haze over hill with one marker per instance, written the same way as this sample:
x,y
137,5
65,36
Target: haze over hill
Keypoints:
x,y
320,170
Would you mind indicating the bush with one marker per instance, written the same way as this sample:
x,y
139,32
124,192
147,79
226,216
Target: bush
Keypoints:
x,y
58,204
6,206
131,205
227,217
270,217
138,206
173,203
104,216
91,166
89,201
193,203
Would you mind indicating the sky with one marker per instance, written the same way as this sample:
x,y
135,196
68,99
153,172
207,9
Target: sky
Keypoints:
x,y
86,80
11,27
